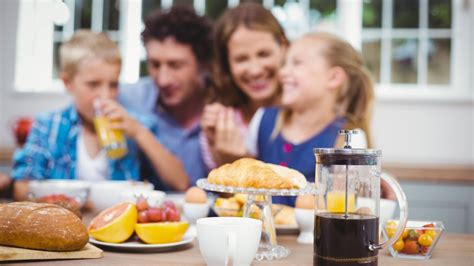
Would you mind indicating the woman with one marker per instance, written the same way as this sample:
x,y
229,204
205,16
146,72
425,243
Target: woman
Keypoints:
x,y
250,47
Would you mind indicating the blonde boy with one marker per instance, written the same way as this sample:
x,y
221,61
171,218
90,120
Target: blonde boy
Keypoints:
x,y
63,144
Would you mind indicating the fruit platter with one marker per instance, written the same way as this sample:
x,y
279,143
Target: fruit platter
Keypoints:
x,y
139,226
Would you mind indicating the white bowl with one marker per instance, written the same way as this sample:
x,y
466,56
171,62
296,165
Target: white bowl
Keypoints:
x,y
194,211
104,194
153,197
305,220
76,189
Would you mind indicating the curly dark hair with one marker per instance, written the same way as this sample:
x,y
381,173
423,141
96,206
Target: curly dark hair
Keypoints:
x,y
182,23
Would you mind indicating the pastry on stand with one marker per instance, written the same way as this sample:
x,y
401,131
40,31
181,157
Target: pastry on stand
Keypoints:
x,y
260,181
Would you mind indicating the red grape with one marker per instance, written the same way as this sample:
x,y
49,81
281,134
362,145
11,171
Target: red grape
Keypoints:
x,y
142,204
155,215
143,217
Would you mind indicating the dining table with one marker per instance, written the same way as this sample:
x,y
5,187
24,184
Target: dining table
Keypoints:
x,y
452,249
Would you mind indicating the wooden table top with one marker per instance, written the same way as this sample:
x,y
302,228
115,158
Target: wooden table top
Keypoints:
x,y
452,249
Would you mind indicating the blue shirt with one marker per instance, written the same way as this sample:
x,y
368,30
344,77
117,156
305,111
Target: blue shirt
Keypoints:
x,y
50,150
297,156
182,142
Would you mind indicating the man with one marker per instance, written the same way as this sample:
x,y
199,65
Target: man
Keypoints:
x,y
178,44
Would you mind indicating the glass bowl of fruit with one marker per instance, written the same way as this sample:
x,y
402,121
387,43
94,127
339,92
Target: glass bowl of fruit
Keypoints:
x,y
417,241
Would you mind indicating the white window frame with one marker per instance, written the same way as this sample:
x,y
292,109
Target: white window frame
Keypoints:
x,y
459,88
349,25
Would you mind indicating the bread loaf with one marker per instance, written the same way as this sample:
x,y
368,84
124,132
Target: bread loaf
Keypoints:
x,y
41,226
248,172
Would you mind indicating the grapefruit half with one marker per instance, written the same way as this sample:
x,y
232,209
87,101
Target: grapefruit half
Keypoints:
x,y
162,232
115,224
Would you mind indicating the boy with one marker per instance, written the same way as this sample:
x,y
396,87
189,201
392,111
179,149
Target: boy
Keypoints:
x,y
63,144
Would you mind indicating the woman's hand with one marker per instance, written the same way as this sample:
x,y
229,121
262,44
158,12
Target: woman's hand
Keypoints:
x,y
229,140
120,118
209,121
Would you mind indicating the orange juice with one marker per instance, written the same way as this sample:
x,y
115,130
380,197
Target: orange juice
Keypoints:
x,y
112,140
336,201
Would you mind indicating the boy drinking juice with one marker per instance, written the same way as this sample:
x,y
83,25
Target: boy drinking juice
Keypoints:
x,y
65,144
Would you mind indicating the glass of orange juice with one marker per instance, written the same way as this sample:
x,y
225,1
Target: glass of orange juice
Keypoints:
x,y
336,201
112,140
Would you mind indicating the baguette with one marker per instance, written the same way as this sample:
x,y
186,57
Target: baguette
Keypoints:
x,y
41,226
248,172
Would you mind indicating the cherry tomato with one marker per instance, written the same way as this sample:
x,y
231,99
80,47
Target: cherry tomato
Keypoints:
x,y
399,245
431,233
411,247
425,240
405,234
391,231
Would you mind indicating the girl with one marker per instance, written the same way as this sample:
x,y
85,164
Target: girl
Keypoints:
x,y
250,45
325,88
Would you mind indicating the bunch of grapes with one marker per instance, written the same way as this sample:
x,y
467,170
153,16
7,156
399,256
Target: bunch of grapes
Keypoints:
x,y
167,212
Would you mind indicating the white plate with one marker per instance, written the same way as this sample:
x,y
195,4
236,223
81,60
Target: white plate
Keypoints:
x,y
136,246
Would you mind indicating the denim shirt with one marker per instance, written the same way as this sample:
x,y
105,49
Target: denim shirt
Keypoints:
x,y
182,142
50,150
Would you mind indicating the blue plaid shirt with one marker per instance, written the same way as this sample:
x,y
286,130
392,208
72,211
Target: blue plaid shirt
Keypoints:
x,y
50,150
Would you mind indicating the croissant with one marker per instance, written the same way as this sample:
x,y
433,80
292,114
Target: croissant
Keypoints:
x,y
248,172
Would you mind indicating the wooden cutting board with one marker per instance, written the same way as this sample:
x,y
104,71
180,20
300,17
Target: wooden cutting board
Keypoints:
x,y
11,253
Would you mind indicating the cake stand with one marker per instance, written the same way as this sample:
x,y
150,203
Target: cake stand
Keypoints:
x,y
262,198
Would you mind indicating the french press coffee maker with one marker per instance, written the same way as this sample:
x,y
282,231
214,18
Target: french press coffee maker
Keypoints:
x,y
347,207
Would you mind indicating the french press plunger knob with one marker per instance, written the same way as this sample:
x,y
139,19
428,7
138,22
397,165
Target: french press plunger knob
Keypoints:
x,y
347,137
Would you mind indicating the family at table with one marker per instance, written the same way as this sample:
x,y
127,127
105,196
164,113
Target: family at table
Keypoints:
x,y
215,92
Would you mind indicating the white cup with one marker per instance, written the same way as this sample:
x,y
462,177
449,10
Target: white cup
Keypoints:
x,y
305,220
228,240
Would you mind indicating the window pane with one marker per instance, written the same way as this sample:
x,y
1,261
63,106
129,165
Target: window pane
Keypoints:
x,y
148,6
111,14
371,54
439,14
183,2
143,68
372,14
56,47
324,7
404,60
405,13
252,1
439,61
279,2
83,14
215,8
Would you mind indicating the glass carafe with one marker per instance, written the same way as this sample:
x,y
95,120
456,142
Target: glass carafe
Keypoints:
x,y
346,230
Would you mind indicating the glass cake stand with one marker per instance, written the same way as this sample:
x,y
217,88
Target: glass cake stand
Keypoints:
x,y
262,198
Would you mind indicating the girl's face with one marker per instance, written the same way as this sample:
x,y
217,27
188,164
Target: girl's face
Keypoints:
x,y
255,58
305,74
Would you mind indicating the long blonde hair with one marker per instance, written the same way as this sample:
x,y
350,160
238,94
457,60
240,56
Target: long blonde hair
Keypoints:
x,y
354,100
